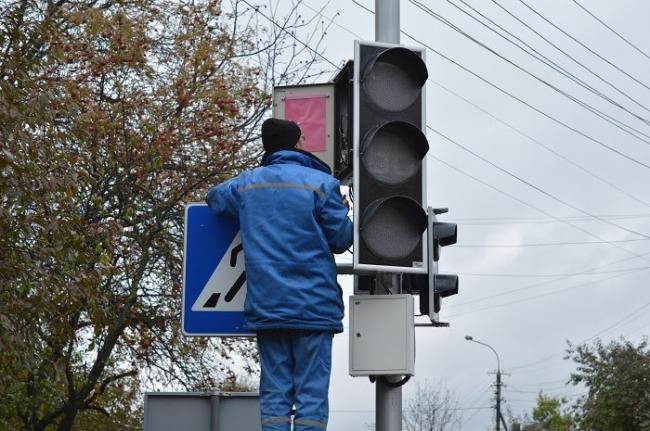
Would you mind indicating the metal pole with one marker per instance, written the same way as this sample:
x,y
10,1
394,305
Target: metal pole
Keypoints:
x,y
388,405
498,415
387,21
388,399
499,418
503,421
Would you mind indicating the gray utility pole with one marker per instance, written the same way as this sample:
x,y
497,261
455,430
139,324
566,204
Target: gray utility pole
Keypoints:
x,y
498,395
387,21
388,398
498,416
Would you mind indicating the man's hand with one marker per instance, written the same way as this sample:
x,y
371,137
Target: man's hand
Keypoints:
x,y
346,202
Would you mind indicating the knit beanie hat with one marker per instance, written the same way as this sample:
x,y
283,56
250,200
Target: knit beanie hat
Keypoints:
x,y
279,134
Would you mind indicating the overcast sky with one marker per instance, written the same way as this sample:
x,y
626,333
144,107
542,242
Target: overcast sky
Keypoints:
x,y
532,181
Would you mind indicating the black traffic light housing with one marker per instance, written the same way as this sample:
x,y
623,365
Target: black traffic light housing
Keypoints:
x,y
389,152
343,127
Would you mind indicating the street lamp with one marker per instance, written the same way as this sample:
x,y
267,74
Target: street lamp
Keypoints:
x,y
499,417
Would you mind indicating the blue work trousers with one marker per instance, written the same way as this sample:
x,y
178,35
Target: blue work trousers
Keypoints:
x,y
296,367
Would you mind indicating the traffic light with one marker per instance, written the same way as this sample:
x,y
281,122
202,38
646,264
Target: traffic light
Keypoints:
x,y
388,154
438,285
432,287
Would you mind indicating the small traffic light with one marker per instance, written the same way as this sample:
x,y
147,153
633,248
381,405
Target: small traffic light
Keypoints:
x,y
444,285
444,234
389,151
438,286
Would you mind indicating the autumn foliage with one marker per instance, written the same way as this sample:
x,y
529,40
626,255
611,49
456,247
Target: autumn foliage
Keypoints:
x,y
113,114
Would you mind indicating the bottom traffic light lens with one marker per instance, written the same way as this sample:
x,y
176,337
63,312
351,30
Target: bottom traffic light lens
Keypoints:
x,y
392,228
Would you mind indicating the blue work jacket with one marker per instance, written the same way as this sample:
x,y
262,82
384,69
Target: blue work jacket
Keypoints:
x,y
292,220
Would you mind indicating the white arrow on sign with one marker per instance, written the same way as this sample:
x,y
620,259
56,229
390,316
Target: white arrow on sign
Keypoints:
x,y
226,288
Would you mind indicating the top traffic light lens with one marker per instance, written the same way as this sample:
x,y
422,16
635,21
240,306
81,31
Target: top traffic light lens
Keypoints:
x,y
394,78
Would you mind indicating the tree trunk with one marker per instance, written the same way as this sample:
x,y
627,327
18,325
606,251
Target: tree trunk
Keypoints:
x,y
68,419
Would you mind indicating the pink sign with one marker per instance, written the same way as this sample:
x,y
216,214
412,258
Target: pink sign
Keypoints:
x,y
309,112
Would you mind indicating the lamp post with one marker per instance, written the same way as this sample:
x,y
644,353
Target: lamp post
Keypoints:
x,y
499,417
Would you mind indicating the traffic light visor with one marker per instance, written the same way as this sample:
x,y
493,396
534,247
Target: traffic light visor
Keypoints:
x,y
392,227
393,79
393,152
445,285
445,233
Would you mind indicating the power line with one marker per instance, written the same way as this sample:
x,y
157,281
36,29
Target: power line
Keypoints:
x,y
554,292
624,39
331,19
618,322
280,27
478,399
569,56
547,244
372,411
492,307
550,63
546,147
574,99
545,193
567,222
528,275
365,8
582,44
539,111
537,285
412,38
545,359
483,79
533,220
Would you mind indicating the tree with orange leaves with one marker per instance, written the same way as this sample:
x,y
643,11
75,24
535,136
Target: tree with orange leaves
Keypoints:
x,y
113,115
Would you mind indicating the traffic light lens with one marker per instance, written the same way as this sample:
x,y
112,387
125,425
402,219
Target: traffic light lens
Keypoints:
x,y
393,153
392,227
394,79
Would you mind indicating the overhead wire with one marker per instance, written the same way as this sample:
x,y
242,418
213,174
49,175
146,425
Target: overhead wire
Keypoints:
x,y
529,298
547,244
532,9
320,55
539,143
283,29
569,56
554,355
347,30
624,39
534,220
483,79
477,399
595,111
477,408
554,65
330,62
538,284
531,275
515,198
538,189
419,42
520,100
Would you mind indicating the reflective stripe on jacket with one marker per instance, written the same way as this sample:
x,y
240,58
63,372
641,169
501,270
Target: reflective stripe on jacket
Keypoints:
x,y
292,219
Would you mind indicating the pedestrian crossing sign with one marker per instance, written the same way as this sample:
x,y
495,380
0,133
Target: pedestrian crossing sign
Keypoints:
x,y
214,276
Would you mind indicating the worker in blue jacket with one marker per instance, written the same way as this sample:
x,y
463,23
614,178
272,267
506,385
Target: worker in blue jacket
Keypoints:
x,y
293,219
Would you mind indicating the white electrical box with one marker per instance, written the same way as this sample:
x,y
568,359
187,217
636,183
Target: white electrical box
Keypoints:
x,y
382,335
